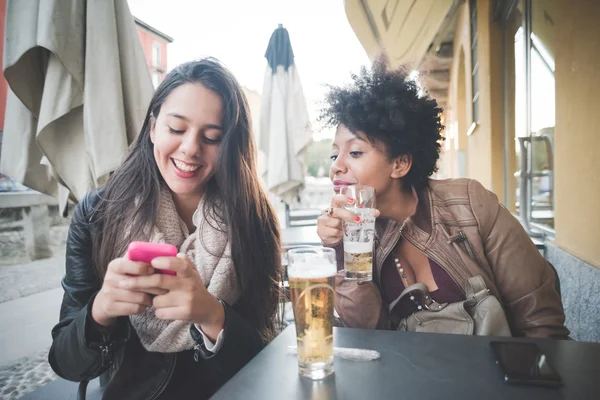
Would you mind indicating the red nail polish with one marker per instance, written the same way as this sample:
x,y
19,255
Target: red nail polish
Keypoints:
x,y
357,219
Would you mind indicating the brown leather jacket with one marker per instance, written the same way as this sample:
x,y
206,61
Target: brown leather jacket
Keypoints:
x,y
462,226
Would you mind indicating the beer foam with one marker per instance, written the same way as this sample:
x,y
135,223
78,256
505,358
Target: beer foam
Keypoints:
x,y
358,247
312,270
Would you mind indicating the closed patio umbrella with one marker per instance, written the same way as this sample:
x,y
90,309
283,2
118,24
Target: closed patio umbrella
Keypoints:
x,y
79,89
285,130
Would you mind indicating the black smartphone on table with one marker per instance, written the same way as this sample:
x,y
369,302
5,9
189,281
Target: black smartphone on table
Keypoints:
x,y
524,363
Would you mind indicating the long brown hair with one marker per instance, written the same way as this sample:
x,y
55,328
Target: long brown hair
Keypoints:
x,y
132,196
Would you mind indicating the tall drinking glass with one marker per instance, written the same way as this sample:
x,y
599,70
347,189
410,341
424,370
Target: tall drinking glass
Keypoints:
x,y
359,236
311,272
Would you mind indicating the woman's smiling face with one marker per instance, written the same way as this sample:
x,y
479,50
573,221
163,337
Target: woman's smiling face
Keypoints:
x,y
186,136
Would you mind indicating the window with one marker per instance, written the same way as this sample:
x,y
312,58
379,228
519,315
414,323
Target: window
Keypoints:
x,y
156,55
474,60
530,94
156,79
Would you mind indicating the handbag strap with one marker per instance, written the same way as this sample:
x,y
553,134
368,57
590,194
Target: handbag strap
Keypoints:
x,y
476,288
407,291
418,293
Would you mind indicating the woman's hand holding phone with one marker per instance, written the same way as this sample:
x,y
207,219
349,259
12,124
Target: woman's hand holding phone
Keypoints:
x,y
154,269
112,300
186,297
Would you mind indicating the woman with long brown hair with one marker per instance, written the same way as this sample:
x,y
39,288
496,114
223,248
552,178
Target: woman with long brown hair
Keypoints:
x,y
189,180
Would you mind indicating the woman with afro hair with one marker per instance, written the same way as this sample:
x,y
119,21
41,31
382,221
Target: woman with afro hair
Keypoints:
x,y
436,232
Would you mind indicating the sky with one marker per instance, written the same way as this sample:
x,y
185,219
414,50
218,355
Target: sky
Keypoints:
x,y
237,32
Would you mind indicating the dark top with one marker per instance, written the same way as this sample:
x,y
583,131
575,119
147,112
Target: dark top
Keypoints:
x,y
392,286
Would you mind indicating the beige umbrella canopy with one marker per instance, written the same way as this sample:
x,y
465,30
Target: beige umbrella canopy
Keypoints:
x,y
79,88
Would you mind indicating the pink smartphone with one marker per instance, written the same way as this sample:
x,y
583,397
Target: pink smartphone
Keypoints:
x,y
146,252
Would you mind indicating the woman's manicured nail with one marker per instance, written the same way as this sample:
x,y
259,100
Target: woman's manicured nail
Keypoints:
x,y
357,219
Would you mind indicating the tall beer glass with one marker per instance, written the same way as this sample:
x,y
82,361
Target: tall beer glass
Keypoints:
x,y
311,272
359,236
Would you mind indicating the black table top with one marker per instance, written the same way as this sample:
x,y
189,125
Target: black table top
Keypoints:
x,y
413,366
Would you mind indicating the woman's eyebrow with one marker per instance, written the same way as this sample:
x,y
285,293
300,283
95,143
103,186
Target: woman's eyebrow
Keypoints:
x,y
207,126
172,114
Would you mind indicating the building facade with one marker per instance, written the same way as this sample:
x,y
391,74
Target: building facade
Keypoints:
x,y
517,80
154,44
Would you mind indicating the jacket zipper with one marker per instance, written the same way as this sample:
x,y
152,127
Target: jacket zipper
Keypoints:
x,y
468,246
105,355
106,351
164,384
472,254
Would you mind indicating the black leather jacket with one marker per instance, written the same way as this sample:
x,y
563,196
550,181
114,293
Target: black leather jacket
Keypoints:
x,y
82,351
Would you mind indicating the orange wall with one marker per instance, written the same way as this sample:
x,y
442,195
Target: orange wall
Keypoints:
x,y
147,38
3,83
577,143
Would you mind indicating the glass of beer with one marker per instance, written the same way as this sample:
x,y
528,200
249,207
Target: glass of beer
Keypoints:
x,y
311,272
358,236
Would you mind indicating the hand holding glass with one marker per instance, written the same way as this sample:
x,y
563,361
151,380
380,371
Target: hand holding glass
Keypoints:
x,y
359,236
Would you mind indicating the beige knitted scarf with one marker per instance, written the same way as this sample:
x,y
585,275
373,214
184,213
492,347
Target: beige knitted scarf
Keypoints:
x,y
209,248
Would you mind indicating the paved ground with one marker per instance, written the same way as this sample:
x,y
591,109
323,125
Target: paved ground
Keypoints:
x,y
30,297
25,325
22,280
25,375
